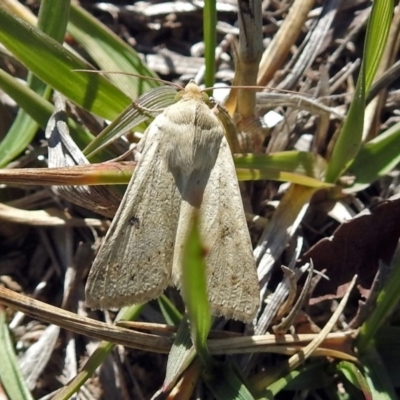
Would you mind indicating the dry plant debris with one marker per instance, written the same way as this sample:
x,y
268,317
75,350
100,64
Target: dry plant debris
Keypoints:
x,y
48,237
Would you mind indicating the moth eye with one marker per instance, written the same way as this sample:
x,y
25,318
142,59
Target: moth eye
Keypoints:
x,y
179,95
205,97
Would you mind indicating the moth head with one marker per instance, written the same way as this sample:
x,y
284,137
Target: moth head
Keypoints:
x,y
192,91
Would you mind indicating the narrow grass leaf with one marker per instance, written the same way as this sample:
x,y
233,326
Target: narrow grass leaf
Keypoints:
x,y
387,343
388,300
10,374
376,158
41,110
170,313
31,46
37,107
355,376
292,166
180,357
281,176
377,377
310,377
110,53
194,290
226,384
300,162
210,39
96,358
377,33
18,137
24,127
349,139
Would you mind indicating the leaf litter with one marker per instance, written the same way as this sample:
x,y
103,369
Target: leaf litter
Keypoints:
x,y
51,263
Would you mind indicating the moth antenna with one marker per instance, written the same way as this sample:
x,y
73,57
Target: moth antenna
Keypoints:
x,y
256,87
130,74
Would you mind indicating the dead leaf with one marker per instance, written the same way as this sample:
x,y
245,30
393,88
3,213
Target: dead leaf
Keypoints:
x,y
356,247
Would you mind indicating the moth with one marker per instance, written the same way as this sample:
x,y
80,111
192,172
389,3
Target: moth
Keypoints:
x,y
185,165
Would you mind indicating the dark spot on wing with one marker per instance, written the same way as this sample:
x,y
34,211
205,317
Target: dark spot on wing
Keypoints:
x,y
100,276
225,231
134,221
116,267
235,280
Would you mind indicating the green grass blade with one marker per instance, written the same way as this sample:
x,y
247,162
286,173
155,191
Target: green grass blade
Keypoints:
x,y
97,357
349,140
387,343
226,384
377,33
311,376
376,158
289,166
41,110
355,376
110,53
35,112
37,107
180,357
18,137
210,39
10,374
194,291
53,18
377,377
31,46
24,127
387,300
170,313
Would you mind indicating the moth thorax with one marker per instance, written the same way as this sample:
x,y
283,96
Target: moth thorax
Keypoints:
x,y
197,149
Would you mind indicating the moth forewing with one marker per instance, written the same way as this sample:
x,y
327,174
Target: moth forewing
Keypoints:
x,y
235,291
134,263
232,282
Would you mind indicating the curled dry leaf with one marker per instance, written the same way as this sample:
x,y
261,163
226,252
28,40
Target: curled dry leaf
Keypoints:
x,y
63,152
356,247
